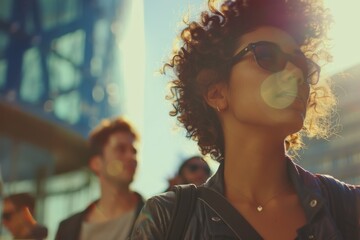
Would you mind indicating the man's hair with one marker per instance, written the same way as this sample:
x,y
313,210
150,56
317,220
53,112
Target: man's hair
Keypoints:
x,y
208,46
100,135
21,200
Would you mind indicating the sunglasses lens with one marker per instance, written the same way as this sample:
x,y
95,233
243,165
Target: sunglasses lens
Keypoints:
x,y
194,167
270,57
6,216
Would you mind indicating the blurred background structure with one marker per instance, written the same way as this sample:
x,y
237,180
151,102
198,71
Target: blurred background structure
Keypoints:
x,y
59,76
339,156
66,64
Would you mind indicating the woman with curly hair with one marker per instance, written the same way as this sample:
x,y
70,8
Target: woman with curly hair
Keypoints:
x,y
246,89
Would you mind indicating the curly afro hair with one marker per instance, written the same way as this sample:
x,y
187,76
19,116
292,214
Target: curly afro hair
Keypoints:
x,y
208,45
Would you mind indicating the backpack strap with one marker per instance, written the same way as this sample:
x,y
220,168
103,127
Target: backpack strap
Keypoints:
x,y
339,198
232,218
186,196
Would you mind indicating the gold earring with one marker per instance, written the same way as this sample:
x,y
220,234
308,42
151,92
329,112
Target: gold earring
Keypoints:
x,y
217,108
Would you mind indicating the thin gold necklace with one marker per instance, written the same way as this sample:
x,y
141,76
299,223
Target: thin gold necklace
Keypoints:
x,y
260,207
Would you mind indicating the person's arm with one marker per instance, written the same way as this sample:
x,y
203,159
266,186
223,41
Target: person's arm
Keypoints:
x,y
154,218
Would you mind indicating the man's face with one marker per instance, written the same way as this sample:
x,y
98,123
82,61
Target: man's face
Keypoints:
x,y
118,159
12,218
196,171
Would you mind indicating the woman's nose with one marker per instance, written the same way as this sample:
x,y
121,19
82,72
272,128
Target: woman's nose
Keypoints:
x,y
295,73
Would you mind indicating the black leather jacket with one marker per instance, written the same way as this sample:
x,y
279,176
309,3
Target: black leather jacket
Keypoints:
x,y
154,219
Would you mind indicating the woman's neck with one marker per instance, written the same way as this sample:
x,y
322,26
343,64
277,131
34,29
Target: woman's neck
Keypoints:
x,y
255,166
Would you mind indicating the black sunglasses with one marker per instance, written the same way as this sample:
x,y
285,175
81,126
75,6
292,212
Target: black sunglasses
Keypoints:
x,y
7,215
270,57
195,167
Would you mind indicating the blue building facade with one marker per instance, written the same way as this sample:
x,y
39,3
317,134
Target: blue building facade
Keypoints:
x,y
59,76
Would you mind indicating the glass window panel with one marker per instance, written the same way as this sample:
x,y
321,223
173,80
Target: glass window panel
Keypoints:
x,y
67,107
5,9
29,21
3,66
101,45
71,46
64,62
63,75
55,12
4,39
32,87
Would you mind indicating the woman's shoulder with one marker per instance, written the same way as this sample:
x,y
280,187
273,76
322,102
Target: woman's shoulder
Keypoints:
x,y
162,202
332,189
344,203
160,205
334,184
155,216
313,180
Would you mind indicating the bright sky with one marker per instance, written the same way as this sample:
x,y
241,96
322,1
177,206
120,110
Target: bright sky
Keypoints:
x,y
153,25
345,34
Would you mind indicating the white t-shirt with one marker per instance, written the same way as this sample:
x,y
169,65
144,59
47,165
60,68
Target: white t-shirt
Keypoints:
x,y
115,229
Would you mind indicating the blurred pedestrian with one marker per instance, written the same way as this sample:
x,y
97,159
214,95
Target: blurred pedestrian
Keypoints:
x,y
18,217
193,170
114,161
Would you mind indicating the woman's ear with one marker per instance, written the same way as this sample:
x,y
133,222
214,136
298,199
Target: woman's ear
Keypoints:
x,y
95,164
215,96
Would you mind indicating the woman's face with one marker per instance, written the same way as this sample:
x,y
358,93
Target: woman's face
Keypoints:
x,y
259,97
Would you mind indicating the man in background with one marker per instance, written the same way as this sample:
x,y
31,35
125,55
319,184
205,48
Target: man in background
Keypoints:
x,y
193,170
17,217
114,161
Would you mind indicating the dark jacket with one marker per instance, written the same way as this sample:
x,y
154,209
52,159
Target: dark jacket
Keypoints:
x,y
70,228
38,232
154,219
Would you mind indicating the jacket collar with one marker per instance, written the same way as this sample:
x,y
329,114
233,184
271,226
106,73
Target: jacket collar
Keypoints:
x,y
304,182
308,189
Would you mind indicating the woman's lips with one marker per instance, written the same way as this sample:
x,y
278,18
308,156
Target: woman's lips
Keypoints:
x,y
295,96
